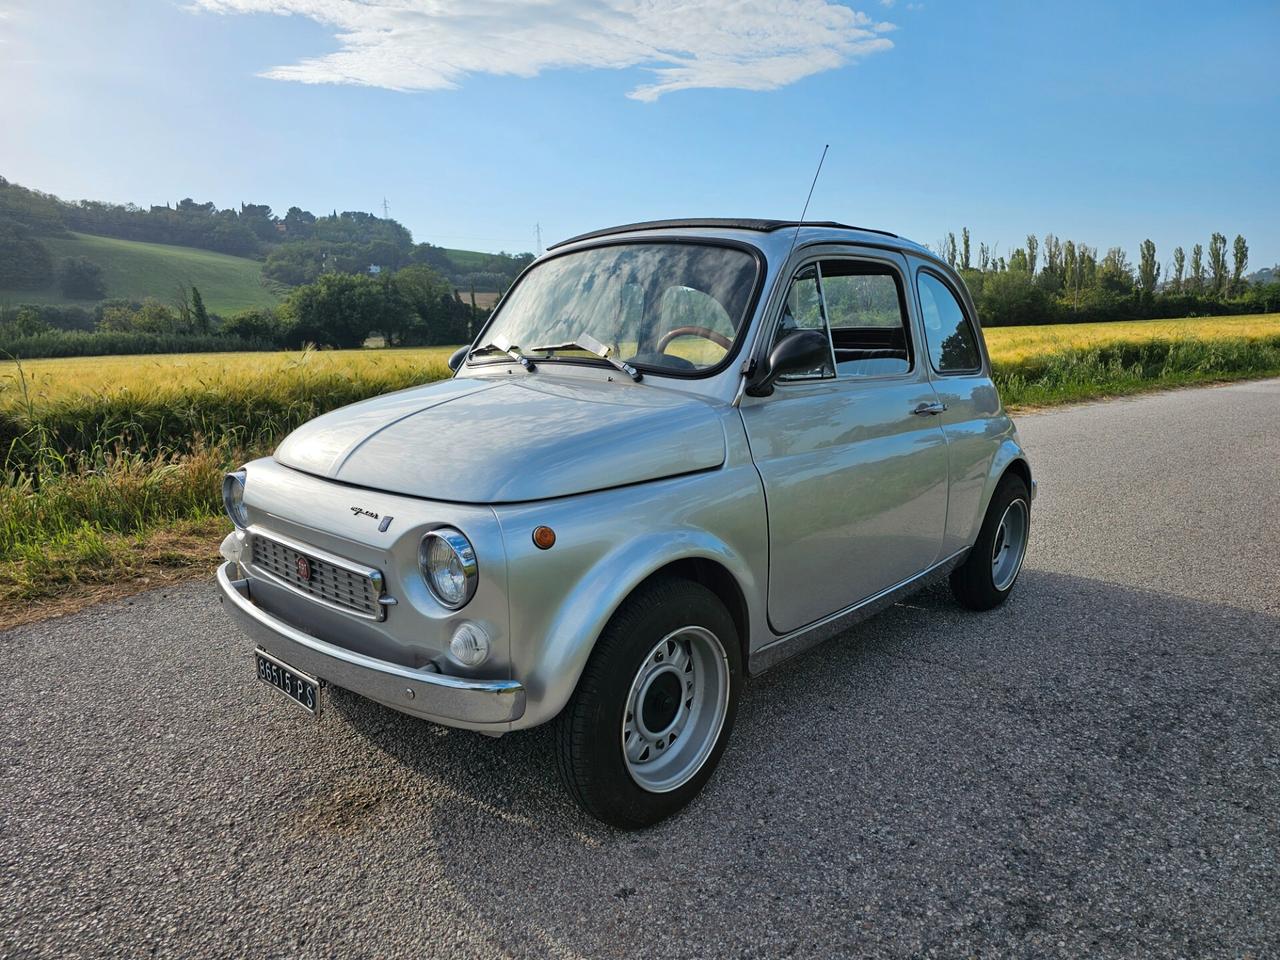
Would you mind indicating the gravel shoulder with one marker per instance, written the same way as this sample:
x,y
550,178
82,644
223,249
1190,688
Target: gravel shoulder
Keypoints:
x,y
1093,769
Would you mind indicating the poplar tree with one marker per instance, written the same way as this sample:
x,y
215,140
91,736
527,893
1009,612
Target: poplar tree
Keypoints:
x,y
965,263
1179,265
1240,255
1218,262
1033,245
199,315
1148,268
1197,268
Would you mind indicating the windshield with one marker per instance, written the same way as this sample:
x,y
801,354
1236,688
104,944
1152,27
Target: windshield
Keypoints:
x,y
664,307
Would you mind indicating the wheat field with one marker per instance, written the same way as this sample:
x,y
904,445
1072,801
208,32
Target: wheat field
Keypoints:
x,y
88,376
1015,344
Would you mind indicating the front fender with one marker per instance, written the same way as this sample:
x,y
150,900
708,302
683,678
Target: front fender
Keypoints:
x,y
562,598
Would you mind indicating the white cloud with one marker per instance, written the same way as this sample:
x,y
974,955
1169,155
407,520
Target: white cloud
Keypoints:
x,y
434,44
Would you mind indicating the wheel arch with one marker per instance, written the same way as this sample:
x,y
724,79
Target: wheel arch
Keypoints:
x,y
719,580
1019,467
583,615
1009,458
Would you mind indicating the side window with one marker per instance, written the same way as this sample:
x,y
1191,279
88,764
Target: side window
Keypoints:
x,y
803,311
953,346
867,311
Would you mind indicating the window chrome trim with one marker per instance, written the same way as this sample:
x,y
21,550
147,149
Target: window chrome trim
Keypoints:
x,y
373,575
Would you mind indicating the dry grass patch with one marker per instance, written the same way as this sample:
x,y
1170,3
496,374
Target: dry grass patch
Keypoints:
x,y
68,577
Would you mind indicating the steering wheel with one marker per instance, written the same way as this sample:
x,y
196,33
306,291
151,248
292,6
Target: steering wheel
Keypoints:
x,y
719,339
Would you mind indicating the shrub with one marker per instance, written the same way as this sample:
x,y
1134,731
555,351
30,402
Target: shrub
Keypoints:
x,y
81,279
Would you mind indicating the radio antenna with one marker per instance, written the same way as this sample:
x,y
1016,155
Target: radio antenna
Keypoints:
x,y
799,223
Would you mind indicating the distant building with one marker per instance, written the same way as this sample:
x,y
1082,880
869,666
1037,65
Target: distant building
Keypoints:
x,y
374,269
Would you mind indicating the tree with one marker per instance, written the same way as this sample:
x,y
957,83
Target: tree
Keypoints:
x,y
1071,271
1018,262
1012,297
199,315
1179,266
1033,246
1148,267
1240,256
25,321
151,316
1218,263
79,278
984,257
964,249
1196,280
949,250
343,309
257,325
25,263
440,317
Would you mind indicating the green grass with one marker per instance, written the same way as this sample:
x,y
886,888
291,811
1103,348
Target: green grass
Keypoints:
x,y
1077,374
134,271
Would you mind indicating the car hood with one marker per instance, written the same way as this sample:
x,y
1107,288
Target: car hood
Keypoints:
x,y
530,437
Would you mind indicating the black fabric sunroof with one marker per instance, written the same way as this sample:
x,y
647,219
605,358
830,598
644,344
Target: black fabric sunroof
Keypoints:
x,y
725,223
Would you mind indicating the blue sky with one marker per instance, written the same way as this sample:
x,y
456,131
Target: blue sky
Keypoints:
x,y
1105,122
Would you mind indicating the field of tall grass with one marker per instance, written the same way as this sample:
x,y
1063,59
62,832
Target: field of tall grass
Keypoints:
x,y
111,465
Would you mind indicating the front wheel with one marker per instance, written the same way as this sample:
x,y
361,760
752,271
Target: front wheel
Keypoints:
x,y
986,577
654,706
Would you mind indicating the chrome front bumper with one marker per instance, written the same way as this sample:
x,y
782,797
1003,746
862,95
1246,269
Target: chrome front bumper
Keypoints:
x,y
434,696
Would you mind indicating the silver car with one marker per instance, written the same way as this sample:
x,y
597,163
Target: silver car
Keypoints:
x,y
678,453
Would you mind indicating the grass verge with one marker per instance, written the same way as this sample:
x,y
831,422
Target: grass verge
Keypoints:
x,y
108,493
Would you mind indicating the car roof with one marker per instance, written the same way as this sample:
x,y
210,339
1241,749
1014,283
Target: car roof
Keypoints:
x,y
720,223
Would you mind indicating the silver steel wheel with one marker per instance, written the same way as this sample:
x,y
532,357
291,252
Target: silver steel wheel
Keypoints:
x,y
676,709
1010,545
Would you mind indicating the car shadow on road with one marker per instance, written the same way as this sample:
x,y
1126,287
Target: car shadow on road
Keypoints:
x,y
997,767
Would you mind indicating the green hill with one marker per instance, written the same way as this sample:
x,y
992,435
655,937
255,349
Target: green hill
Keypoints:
x,y
134,271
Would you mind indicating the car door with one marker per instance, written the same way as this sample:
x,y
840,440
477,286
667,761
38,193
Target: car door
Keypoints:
x,y
853,461
962,380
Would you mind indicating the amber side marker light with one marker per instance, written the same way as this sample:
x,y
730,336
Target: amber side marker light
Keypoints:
x,y
544,538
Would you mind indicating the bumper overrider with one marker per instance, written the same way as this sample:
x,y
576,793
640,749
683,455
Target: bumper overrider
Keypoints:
x,y
435,696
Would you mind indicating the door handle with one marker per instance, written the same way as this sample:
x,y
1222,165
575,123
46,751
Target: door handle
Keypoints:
x,y
929,409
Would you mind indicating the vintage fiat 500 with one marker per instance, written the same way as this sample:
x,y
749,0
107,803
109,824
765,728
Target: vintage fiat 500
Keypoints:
x,y
678,453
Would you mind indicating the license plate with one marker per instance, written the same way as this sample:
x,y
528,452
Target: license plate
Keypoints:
x,y
298,687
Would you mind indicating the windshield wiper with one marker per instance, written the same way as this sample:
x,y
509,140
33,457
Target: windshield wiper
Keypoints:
x,y
590,344
501,344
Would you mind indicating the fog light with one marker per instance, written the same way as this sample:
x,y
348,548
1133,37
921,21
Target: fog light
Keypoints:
x,y
470,645
232,546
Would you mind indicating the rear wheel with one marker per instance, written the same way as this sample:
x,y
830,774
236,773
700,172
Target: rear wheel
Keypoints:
x,y
987,576
654,706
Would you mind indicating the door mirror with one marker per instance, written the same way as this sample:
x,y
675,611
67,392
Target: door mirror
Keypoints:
x,y
456,358
797,352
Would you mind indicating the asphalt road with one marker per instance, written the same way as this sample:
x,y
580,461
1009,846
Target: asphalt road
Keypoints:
x,y
1091,770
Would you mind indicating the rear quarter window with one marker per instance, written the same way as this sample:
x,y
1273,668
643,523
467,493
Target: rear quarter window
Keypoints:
x,y
953,344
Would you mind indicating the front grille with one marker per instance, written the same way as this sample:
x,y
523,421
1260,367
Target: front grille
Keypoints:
x,y
332,584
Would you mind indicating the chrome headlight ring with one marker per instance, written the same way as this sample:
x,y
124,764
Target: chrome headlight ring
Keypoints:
x,y
448,564
233,497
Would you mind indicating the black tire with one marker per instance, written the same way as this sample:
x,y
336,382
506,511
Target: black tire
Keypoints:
x,y
973,582
588,736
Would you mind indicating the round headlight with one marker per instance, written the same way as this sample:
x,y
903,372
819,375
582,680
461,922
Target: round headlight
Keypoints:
x,y
233,498
448,564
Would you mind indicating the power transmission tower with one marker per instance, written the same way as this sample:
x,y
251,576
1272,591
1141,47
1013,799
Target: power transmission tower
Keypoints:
x,y
537,228
386,208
